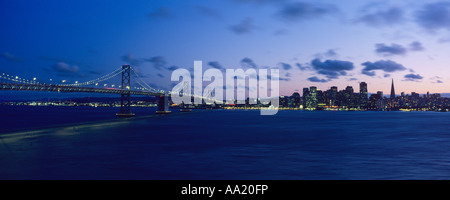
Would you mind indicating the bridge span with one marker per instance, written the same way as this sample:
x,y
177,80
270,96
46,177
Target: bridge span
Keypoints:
x,y
124,90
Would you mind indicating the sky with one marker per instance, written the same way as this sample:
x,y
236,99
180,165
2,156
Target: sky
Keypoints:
x,y
320,43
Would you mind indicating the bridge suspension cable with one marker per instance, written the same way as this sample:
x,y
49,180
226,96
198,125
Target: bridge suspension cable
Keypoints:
x,y
96,81
143,84
18,79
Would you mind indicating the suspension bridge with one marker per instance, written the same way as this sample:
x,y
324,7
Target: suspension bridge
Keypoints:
x,y
98,85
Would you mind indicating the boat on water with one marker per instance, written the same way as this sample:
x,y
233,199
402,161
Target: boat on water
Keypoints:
x,y
125,115
163,111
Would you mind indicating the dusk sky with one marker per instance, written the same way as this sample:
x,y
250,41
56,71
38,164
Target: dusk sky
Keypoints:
x,y
319,43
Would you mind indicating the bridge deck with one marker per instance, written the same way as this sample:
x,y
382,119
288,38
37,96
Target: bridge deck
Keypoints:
x,y
59,88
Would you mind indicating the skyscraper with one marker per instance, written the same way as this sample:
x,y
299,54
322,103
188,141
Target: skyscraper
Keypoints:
x,y
349,89
313,90
333,96
392,90
296,99
311,98
380,93
305,94
363,94
305,91
334,89
349,97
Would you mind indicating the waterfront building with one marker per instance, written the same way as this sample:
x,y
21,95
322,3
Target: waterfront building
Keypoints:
x,y
311,98
296,100
363,94
392,90
305,94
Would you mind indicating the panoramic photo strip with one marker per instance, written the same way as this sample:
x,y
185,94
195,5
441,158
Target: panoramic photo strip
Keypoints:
x,y
225,98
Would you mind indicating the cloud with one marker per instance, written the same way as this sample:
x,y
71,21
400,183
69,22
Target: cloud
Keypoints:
x,y
130,59
386,50
172,68
260,1
11,57
416,46
413,77
284,79
327,54
248,63
216,65
69,68
302,67
331,53
209,12
158,62
444,40
160,13
279,77
297,11
383,65
65,70
246,26
56,59
434,16
316,80
391,16
94,72
286,66
435,77
332,69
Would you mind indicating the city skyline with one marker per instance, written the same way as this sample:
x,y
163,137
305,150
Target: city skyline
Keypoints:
x,y
333,99
312,42
39,95
392,89
350,99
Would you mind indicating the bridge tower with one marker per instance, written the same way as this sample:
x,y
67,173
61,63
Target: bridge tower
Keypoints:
x,y
125,100
163,104
186,91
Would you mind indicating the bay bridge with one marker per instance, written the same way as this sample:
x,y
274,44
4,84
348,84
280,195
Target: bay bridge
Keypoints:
x,y
96,86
